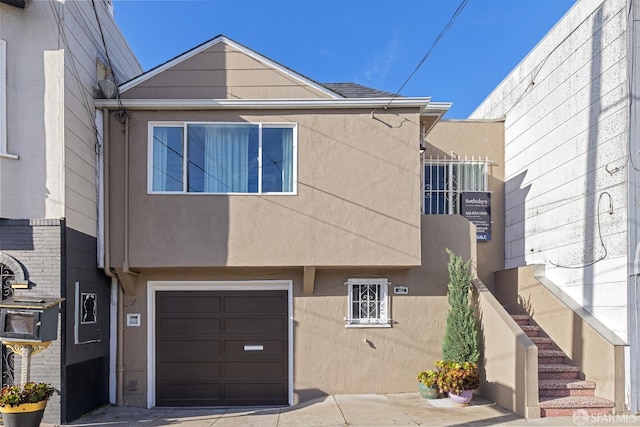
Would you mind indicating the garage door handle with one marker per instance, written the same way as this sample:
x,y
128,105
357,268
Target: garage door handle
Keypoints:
x,y
253,348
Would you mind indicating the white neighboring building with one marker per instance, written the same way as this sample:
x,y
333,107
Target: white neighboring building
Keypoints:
x,y
572,165
50,63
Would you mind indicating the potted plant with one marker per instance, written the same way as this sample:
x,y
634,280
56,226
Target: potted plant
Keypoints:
x,y
24,405
460,346
428,384
458,379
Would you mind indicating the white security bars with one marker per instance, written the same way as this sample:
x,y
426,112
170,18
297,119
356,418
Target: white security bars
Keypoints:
x,y
446,178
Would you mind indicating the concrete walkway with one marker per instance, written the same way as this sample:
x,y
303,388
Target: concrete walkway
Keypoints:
x,y
343,410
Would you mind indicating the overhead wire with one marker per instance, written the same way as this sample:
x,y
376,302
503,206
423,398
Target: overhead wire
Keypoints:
x,y
122,113
447,27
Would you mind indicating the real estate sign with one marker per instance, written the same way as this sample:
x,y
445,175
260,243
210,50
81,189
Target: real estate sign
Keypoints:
x,y
476,207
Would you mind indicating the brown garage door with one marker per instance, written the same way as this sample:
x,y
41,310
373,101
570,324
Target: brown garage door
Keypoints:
x,y
218,348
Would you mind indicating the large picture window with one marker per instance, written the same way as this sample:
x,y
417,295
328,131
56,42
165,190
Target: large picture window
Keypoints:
x,y
222,158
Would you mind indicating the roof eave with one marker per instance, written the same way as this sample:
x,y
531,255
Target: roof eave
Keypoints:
x,y
434,111
306,103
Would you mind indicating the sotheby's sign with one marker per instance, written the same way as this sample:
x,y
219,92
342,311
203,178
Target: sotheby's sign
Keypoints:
x,y
476,207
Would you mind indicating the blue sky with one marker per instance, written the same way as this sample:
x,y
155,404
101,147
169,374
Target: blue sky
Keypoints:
x,y
376,43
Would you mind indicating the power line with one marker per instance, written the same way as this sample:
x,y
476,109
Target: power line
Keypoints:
x,y
433,45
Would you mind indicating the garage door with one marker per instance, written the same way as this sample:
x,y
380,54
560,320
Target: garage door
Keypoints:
x,y
221,348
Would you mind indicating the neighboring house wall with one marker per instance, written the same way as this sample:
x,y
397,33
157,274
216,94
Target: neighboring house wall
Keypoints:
x,y
479,140
566,118
48,170
38,245
32,186
81,38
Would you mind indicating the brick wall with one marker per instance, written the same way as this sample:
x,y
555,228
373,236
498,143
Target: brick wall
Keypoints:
x,y
37,245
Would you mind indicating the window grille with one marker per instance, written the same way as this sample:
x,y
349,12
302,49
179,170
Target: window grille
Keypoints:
x,y
6,278
446,178
368,301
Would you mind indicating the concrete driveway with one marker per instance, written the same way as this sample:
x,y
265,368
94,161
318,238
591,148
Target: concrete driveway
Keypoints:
x,y
407,409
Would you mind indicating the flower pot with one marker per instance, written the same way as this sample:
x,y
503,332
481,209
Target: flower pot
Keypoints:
x,y
25,415
428,392
461,399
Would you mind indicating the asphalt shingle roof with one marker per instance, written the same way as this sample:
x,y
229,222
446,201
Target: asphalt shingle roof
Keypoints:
x,y
354,90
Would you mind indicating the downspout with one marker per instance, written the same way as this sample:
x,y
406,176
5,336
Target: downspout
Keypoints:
x,y
125,263
633,180
117,329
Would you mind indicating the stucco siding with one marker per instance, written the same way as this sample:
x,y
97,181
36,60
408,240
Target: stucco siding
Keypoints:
x,y
395,354
357,201
32,186
479,139
222,72
566,113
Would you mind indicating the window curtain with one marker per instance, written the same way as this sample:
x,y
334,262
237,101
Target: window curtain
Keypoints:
x,y
226,165
287,160
160,148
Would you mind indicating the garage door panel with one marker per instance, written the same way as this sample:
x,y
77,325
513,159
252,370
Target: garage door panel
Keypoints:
x,y
196,372
251,348
241,391
186,394
190,304
261,326
185,326
255,305
220,348
189,350
265,370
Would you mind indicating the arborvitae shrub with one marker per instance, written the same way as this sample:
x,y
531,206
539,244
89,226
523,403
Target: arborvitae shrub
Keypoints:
x,y
460,342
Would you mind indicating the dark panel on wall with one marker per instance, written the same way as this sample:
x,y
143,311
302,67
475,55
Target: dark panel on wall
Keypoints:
x,y
87,288
85,328
86,388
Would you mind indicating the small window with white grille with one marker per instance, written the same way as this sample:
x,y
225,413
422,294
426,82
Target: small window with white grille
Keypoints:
x,y
445,179
368,302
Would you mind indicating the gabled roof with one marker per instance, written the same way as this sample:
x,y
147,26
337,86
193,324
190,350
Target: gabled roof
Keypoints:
x,y
355,90
222,39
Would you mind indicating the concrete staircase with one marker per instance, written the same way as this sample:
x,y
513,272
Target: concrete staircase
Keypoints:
x,y
561,392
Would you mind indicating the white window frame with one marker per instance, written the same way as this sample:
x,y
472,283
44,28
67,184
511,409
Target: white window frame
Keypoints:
x,y
383,319
3,102
185,137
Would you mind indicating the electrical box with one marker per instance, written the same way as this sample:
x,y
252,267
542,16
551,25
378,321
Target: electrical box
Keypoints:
x,y
29,319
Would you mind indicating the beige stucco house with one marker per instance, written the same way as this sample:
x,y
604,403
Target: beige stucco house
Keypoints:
x,y
267,235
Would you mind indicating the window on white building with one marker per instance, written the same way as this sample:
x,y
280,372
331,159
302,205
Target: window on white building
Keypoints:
x,y
446,179
368,302
3,102
222,158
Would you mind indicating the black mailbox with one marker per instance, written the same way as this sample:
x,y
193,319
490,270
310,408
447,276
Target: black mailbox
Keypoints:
x,y
29,319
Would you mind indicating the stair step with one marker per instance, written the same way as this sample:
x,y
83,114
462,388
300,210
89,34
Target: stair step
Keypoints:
x,y
557,371
550,357
531,330
521,319
543,343
565,387
575,406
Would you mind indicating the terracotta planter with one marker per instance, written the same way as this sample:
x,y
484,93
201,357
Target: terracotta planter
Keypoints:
x,y
25,415
428,392
461,399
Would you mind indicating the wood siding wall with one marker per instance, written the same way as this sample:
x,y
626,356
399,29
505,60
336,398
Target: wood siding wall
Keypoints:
x,y
85,48
566,140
